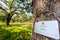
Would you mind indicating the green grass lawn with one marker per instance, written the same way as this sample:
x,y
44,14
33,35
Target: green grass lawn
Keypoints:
x,y
15,31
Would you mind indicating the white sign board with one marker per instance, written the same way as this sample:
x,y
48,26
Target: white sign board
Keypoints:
x,y
47,28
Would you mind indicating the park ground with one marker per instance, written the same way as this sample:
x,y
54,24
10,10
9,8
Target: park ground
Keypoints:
x,y
15,31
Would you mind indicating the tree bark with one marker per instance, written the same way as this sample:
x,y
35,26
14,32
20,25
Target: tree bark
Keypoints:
x,y
8,19
45,10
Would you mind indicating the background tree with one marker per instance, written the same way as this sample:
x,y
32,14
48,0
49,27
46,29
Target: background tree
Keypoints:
x,y
11,7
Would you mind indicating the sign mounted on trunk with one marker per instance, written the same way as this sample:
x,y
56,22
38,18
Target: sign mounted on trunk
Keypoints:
x,y
47,28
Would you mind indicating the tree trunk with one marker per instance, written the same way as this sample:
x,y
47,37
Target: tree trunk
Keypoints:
x,y
45,10
8,19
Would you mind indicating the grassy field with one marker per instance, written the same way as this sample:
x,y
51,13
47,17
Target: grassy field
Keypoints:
x,y
15,31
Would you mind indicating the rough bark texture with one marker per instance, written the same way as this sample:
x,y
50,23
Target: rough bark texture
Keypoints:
x,y
45,10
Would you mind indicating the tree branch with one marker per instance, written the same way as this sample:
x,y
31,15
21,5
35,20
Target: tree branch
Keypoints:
x,y
14,10
11,4
3,9
12,13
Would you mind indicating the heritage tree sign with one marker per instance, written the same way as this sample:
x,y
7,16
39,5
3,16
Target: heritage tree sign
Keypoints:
x,y
46,16
47,28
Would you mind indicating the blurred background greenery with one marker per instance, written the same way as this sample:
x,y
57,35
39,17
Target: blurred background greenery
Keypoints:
x,y
15,31
15,19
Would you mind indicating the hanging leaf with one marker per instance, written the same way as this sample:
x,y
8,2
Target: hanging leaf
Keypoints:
x,y
9,0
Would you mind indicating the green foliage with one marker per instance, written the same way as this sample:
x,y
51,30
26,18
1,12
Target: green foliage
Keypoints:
x,y
29,18
2,17
9,0
22,0
15,31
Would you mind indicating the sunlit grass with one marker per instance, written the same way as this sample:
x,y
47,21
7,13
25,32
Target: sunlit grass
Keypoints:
x,y
15,31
